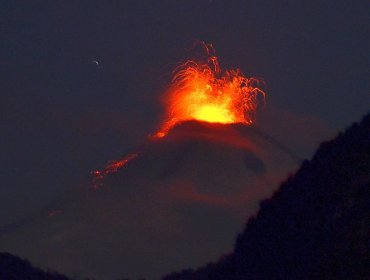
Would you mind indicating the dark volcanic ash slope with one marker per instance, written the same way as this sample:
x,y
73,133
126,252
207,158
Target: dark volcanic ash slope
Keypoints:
x,y
316,226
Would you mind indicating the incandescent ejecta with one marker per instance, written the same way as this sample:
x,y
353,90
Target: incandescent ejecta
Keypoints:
x,y
201,91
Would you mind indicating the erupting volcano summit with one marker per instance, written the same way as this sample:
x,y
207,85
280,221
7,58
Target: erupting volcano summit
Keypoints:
x,y
201,91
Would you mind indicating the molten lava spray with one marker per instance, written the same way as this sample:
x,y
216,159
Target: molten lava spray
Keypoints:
x,y
201,91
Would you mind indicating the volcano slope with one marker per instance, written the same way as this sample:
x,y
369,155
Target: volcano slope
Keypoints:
x,y
159,213
316,225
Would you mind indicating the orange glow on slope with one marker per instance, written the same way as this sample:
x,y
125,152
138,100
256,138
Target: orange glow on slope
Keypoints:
x,y
201,91
112,167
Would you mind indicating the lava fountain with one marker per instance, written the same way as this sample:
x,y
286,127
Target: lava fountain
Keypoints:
x,y
200,90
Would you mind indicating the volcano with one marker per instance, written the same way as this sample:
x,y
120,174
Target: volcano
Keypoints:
x,y
201,91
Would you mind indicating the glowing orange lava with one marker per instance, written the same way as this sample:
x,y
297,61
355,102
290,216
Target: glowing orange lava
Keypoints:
x,y
202,91
112,167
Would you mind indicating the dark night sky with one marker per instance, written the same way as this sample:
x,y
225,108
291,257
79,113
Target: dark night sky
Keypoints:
x,y
62,116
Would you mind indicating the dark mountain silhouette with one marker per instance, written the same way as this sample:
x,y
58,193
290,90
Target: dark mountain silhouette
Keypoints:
x,y
316,226
14,268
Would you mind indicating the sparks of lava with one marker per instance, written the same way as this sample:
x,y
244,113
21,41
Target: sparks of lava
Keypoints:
x,y
112,167
201,91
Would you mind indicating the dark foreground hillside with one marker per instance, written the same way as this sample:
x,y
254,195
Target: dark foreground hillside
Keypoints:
x,y
14,268
316,226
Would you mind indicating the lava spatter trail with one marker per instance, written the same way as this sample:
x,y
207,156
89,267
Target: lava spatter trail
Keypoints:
x,y
112,167
201,91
